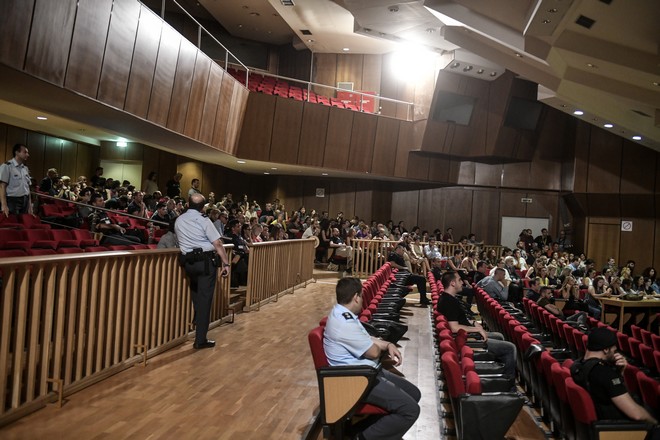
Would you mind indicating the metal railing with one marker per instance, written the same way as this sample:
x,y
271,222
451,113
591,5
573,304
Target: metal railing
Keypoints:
x,y
232,60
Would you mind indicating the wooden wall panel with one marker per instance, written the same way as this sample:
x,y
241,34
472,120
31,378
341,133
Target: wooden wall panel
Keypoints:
x,y
418,166
239,99
463,173
656,249
603,241
342,198
50,39
581,169
440,170
191,169
211,104
387,133
325,71
290,192
516,175
69,158
349,69
87,159
510,205
36,143
141,77
545,205
197,95
545,174
52,153
458,210
15,19
638,167
119,52
319,203
634,245
604,162
257,130
286,131
381,206
363,203
405,206
425,218
488,175
150,162
185,70
87,46
371,72
5,148
220,131
486,215
363,135
338,139
437,208
313,134
403,147
161,92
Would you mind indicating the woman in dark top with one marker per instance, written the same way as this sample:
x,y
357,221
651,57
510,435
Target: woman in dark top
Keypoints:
x,y
597,290
571,293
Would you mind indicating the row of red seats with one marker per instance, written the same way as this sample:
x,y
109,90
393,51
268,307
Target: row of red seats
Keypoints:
x,y
22,221
481,401
346,404
566,406
8,253
272,86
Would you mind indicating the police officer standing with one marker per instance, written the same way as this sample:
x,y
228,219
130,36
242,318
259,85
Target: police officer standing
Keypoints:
x,y
201,252
15,183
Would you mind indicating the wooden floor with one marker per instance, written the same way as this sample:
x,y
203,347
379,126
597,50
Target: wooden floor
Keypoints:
x,y
257,383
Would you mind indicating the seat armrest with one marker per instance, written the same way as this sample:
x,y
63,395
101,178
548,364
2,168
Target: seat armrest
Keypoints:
x,y
342,388
616,429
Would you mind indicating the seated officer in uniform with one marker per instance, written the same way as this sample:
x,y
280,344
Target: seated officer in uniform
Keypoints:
x,y
201,254
599,372
346,342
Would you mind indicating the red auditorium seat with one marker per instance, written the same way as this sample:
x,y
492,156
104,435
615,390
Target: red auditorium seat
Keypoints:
x,y
646,354
69,250
38,252
9,222
119,247
30,221
343,405
96,249
13,239
650,390
655,339
7,253
40,238
63,238
51,210
85,238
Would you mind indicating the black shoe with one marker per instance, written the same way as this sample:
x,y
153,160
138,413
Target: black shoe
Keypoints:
x,y
208,344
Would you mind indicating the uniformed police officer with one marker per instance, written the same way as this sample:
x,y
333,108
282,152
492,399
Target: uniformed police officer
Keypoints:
x,y
201,246
346,342
15,183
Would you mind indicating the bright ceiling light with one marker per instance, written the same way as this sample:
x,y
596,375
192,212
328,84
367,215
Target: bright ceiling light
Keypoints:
x,y
122,143
240,161
637,138
346,49
42,118
410,62
578,112
608,125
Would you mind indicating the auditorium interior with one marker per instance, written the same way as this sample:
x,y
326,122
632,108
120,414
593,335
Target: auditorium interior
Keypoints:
x,y
442,114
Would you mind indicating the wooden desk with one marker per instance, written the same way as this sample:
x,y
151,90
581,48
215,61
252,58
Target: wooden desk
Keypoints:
x,y
622,304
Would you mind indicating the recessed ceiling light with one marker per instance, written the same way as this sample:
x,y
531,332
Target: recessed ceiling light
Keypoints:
x,y
42,118
552,11
346,49
240,161
255,14
324,174
480,71
656,83
578,112
454,65
637,138
310,41
546,21
122,144
608,125
519,55
593,66
467,68
266,172
493,73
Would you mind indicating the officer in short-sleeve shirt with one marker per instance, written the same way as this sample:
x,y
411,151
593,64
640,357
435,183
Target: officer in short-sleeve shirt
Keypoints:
x,y
199,241
346,342
15,183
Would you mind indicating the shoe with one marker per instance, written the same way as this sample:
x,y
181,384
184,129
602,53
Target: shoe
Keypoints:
x,y
208,344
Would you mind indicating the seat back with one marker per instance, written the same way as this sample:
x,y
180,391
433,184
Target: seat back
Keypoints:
x,y
581,403
452,374
315,338
650,389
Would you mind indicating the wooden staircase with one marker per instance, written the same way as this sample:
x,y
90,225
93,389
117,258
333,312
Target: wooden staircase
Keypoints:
x,y
237,299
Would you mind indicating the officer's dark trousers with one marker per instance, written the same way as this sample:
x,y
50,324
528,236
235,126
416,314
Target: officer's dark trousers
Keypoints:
x,y
202,275
399,397
420,281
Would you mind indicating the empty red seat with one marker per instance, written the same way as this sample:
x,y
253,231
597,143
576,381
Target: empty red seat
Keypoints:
x,y
69,250
63,238
13,239
10,222
8,253
650,390
96,249
30,221
38,252
84,238
51,210
40,238
646,353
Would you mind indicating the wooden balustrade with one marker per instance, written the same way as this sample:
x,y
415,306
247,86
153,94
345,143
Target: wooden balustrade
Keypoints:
x,y
276,268
369,255
73,320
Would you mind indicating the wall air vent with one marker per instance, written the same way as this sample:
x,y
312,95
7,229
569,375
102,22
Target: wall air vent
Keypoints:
x,y
287,2
305,32
585,21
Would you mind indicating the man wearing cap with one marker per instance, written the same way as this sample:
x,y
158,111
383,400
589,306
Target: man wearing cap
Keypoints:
x,y
599,372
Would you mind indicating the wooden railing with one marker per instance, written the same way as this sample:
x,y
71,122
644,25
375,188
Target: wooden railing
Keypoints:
x,y
369,255
69,321
276,268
